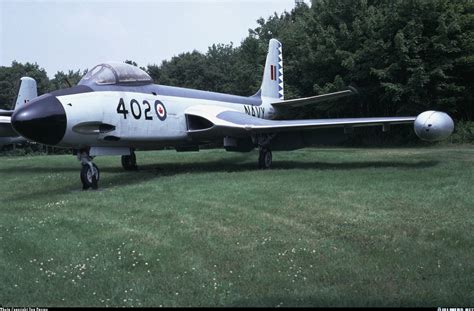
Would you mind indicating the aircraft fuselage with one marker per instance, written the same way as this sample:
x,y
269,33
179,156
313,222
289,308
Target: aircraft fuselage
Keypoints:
x,y
125,116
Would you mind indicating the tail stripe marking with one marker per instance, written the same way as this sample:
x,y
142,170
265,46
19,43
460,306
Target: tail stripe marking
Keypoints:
x,y
280,72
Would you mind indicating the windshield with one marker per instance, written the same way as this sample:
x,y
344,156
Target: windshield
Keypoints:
x,y
115,72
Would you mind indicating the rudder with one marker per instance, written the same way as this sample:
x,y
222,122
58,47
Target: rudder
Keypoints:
x,y
272,83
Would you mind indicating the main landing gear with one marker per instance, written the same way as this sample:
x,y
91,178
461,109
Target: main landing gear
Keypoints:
x,y
90,173
264,158
129,162
265,154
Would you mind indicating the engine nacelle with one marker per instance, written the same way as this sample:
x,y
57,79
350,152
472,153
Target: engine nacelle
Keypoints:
x,y
433,125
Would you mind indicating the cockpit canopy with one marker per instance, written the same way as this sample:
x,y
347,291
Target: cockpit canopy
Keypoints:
x,y
115,73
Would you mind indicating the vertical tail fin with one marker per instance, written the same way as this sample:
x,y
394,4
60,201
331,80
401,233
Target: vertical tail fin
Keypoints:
x,y
27,92
272,84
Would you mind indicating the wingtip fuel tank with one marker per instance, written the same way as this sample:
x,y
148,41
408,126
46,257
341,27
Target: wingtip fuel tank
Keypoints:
x,y
433,125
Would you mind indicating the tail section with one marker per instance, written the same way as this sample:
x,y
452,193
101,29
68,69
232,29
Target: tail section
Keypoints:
x,y
27,92
272,84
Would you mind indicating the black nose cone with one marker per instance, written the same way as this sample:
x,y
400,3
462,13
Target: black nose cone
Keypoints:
x,y
42,120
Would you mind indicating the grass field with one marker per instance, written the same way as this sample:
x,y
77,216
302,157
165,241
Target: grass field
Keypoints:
x,y
324,227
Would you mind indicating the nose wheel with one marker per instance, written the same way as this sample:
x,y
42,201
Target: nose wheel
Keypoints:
x,y
90,173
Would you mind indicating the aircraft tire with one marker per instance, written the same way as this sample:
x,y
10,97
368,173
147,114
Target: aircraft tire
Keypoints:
x,y
265,159
88,178
129,162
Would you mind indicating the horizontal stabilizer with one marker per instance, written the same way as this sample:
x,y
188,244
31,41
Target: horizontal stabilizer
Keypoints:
x,y
6,113
299,102
6,129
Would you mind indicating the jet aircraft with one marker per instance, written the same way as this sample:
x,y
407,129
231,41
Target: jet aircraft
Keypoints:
x,y
116,109
27,92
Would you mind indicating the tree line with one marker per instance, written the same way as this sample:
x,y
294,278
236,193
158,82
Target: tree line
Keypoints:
x,y
403,57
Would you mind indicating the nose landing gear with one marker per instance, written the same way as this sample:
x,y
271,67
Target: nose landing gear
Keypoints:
x,y
90,173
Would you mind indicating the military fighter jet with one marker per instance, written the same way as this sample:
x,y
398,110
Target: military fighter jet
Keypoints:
x,y
116,109
26,93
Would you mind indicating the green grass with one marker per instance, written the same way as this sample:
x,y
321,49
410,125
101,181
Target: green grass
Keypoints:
x,y
325,227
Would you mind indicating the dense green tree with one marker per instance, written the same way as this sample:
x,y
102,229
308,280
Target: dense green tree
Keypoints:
x,y
184,70
10,81
63,80
403,56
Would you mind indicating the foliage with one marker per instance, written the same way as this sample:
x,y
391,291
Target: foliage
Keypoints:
x,y
463,133
63,80
404,57
26,150
222,69
10,81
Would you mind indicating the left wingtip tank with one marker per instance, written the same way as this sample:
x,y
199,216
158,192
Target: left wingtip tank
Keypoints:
x,y
433,125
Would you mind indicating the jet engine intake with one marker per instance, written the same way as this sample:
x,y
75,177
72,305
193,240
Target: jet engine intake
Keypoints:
x,y
197,123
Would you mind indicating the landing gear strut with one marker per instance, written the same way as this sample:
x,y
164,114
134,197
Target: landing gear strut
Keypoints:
x,y
90,173
129,162
265,155
264,158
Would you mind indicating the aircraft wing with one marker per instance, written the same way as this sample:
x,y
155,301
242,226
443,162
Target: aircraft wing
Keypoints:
x,y
210,122
6,129
6,113
293,103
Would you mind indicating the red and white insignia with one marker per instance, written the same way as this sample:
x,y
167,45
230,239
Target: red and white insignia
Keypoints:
x,y
160,110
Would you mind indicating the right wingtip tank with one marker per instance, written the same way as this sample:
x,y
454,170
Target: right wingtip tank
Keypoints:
x,y
433,125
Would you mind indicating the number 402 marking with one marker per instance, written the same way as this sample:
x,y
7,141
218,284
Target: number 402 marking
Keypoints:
x,y
135,108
